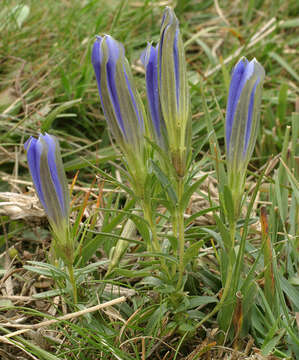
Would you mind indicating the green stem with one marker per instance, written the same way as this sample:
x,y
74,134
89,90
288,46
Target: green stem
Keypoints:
x,y
232,231
223,297
73,282
147,211
228,281
180,228
148,216
128,231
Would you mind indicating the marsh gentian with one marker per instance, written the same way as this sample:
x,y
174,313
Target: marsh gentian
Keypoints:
x,y
120,101
173,91
242,120
167,92
149,59
46,169
121,104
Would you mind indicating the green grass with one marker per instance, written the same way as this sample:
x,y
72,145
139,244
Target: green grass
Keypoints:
x,y
47,84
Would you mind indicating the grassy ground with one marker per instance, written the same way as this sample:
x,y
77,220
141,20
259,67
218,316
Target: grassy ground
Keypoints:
x,y
47,84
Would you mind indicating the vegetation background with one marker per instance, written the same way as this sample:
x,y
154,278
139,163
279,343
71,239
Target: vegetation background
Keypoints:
x,y
47,84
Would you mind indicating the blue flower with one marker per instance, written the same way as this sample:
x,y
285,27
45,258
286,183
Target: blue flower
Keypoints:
x,y
46,168
120,101
243,112
242,123
149,60
168,93
174,92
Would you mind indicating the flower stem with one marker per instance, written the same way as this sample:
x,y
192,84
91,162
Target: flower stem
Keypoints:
x,y
147,211
223,297
148,216
180,228
73,282
229,277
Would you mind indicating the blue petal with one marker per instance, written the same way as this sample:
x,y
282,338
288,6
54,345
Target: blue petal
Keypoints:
x,y
51,155
249,120
160,51
167,15
150,61
237,74
34,151
139,115
143,56
114,53
96,59
238,80
168,25
176,66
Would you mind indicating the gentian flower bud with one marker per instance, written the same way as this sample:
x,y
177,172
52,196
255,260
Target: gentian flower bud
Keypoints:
x,y
122,106
243,110
149,59
173,89
242,119
120,101
46,168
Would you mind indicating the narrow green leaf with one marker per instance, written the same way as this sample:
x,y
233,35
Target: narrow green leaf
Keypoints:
x,y
282,103
284,64
111,178
215,236
47,123
45,269
192,251
225,234
295,144
49,293
200,213
290,23
195,301
282,206
292,292
271,341
132,273
165,183
157,255
294,183
229,204
155,320
190,191
214,146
